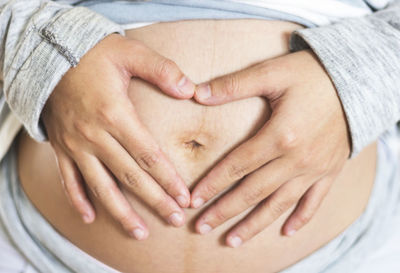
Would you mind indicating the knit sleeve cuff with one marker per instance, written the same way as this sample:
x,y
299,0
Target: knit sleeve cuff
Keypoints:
x,y
63,41
363,70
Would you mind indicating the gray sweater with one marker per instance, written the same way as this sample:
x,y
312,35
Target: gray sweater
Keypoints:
x,y
41,40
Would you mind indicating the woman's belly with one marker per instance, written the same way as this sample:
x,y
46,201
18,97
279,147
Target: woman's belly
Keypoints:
x,y
195,137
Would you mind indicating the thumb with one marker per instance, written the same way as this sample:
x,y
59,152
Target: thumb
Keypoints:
x,y
250,82
150,66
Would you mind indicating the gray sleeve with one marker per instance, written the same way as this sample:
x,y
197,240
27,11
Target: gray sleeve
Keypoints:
x,y
362,57
40,41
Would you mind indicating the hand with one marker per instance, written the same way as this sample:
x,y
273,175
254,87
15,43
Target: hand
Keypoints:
x,y
98,138
293,158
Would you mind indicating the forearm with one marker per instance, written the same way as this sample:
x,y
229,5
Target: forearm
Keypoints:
x,y
40,41
361,56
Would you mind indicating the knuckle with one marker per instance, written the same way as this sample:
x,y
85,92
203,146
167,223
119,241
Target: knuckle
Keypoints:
x,y
304,161
69,187
97,191
102,193
210,189
89,136
85,132
69,143
254,195
219,214
324,166
78,201
236,172
164,69
287,140
167,184
132,179
247,228
160,204
291,195
251,228
230,85
270,70
304,217
125,218
266,68
108,115
287,202
64,186
275,207
265,71
136,46
149,159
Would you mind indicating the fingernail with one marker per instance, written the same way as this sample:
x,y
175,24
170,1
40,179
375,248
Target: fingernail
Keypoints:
x,y
290,232
185,86
182,200
235,241
203,91
198,202
138,233
205,228
176,219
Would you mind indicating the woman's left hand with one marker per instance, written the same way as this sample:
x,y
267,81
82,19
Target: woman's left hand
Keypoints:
x,y
293,159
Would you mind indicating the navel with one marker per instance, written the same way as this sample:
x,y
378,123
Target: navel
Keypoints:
x,y
193,145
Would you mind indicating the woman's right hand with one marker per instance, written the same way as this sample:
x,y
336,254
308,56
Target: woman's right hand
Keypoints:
x,y
98,138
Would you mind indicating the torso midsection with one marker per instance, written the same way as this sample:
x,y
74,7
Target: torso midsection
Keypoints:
x,y
203,50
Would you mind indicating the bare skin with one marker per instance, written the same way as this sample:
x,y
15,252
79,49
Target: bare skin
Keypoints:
x,y
98,138
98,143
293,159
195,137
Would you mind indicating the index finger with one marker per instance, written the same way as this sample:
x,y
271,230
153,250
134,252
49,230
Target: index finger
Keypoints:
x,y
152,67
139,143
263,79
242,161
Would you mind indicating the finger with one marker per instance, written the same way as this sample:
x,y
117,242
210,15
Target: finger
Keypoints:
x,y
73,187
246,158
258,80
136,180
104,188
160,71
267,212
138,142
307,207
249,192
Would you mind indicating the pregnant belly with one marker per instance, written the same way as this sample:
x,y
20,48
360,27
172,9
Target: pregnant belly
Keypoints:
x,y
195,137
